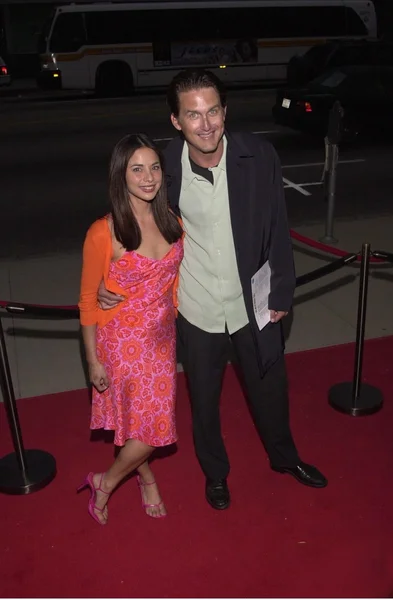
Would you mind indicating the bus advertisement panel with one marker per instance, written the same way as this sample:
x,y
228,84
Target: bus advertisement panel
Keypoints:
x,y
218,52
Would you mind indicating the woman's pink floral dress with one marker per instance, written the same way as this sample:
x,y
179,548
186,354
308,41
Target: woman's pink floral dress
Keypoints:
x,y
138,350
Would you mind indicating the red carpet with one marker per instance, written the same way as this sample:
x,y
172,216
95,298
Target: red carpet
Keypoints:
x,y
278,539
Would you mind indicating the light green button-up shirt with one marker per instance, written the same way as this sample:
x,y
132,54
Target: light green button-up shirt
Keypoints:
x,y
210,294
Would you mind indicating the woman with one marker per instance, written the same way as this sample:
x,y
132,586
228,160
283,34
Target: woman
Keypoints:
x,y
131,349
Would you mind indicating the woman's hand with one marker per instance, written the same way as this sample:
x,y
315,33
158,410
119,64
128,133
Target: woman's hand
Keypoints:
x,y
98,376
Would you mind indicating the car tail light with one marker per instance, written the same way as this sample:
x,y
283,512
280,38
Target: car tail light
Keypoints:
x,y
3,70
305,105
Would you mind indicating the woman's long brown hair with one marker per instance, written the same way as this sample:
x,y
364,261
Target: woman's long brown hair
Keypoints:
x,y
125,225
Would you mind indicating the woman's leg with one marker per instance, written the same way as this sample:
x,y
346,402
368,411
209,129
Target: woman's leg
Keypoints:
x,y
150,491
131,456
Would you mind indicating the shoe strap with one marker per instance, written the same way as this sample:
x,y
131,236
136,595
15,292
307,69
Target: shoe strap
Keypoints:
x,y
153,505
140,482
99,488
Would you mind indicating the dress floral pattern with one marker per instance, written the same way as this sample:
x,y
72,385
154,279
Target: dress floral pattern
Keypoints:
x,y
138,349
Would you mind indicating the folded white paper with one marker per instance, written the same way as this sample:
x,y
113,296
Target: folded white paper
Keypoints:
x,y
260,288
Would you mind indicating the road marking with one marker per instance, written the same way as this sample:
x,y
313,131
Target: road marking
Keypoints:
x,y
83,117
118,114
321,164
267,131
311,183
295,186
167,139
302,185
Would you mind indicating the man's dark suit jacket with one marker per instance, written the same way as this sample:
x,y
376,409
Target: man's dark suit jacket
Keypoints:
x,y
259,226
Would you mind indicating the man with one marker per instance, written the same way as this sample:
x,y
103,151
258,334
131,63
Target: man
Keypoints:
x,y
228,190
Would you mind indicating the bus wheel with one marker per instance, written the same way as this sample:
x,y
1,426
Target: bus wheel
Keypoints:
x,y
114,78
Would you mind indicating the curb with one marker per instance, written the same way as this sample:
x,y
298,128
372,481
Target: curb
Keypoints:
x,y
35,94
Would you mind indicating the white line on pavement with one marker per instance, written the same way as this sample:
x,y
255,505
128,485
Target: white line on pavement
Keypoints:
x,y
267,131
167,139
303,185
297,166
295,186
311,183
320,164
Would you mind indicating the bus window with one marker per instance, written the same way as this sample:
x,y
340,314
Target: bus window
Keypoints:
x,y
125,27
312,21
264,22
354,24
68,34
116,27
290,22
43,37
185,24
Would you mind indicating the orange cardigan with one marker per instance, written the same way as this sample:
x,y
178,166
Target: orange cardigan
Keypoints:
x,y
97,256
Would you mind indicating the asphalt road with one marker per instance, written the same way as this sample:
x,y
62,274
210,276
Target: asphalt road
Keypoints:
x,y
54,159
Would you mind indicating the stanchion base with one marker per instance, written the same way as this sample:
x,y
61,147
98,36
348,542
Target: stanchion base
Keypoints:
x,y
370,399
40,470
328,239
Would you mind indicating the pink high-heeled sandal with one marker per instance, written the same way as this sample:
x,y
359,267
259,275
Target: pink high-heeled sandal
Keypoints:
x,y
91,507
141,484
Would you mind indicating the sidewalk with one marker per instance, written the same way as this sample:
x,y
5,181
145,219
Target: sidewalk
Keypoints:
x,y
22,83
45,355
19,88
27,90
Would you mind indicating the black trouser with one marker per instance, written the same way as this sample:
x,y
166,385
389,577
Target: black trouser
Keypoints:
x,y
204,357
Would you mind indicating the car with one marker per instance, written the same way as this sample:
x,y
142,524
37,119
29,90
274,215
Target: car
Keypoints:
x,y
365,94
323,57
5,78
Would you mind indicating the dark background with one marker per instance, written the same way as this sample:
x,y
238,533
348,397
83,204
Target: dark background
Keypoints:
x,y
28,65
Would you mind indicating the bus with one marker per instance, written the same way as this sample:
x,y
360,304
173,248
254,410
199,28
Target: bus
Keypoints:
x,y
116,48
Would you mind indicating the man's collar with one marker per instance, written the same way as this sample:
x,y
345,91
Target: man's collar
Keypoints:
x,y
236,152
188,174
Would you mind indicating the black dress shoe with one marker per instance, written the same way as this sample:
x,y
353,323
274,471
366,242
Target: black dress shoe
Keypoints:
x,y
304,473
217,493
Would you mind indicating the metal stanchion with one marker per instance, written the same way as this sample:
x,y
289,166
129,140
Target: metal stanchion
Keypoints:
x,y
357,398
330,169
21,472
